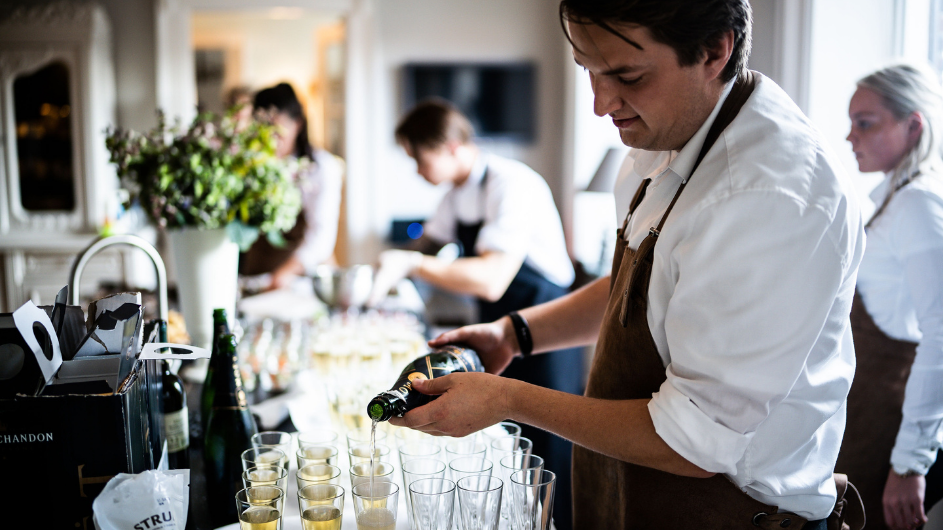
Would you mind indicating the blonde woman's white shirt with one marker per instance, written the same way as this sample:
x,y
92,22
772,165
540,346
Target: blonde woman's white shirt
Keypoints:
x,y
749,301
321,200
901,284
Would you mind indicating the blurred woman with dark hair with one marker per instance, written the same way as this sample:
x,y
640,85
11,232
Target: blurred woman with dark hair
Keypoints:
x,y
311,242
895,407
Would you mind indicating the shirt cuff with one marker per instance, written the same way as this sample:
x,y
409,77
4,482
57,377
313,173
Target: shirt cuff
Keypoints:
x,y
693,435
913,452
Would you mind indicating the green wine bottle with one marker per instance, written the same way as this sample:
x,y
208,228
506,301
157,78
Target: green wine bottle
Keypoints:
x,y
176,420
228,433
218,363
402,397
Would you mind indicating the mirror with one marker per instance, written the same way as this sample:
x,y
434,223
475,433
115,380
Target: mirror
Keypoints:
x,y
44,144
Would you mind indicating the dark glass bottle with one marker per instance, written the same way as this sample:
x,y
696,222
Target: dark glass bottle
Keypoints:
x,y
402,398
176,420
228,433
218,363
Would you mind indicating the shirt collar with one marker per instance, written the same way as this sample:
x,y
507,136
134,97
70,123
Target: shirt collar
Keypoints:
x,y
683,163
477,172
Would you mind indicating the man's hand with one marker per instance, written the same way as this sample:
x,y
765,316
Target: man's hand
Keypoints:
x,y
394,266
495,342
903,501
467,402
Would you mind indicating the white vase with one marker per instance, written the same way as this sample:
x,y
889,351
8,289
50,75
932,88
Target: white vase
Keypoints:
x,y
207,266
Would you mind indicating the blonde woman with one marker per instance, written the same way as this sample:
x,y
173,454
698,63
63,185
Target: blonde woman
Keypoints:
x,y
895,407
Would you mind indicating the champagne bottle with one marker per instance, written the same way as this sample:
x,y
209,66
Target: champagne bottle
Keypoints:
x,y
218,363
176,421
402,397
228,433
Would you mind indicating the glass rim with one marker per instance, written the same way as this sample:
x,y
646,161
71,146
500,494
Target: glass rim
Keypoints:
x,y
260,434
491,483
245,493
375,465
337,489
501,462
438,448
449,445
394,489
266,468
516,426
543,477
379,434
404,464
301,435
477,458
336,472
378,447
268,448
441,480
518,439
301,451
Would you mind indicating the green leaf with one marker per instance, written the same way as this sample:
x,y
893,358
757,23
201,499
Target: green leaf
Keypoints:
x,y
276,239
242,235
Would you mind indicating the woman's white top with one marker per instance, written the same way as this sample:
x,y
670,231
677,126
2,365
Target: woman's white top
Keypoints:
x,y
519,215
749,300
901,284
321,200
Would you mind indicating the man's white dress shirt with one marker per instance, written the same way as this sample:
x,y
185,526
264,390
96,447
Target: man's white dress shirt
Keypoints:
x,y
753,279
520,217
901,283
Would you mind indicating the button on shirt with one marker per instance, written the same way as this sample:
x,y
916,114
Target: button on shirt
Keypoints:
x,y
520,218
901,284
750,294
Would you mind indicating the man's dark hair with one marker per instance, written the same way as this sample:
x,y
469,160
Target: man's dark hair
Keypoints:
x,y
690,27
431,124
282,98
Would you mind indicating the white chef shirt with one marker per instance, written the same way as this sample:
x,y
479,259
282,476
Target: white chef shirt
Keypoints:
x,y
901,284
753,279
520,218
321,199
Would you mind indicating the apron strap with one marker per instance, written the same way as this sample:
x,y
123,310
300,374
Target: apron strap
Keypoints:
x,y
848,513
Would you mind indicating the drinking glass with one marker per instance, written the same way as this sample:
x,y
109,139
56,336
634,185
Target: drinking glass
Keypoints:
x,y
508,465
265,476
375,507
506,445
465,448
361,453
467,466
431,501
418,449
362,436
317,437
479,501
317,474
420,469
499,430
264,457
532,499
321,506
316,454
382,471
275,439
260,508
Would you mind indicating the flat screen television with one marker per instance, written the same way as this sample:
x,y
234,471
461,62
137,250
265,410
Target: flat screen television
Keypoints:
x,y
498,98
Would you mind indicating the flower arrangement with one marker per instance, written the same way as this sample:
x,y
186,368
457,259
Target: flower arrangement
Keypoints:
x,y
216,173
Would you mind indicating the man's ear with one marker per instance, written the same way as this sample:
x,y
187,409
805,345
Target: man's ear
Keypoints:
x,y
717,55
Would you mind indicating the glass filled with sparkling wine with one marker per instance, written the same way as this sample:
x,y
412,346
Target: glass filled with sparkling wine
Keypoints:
x,y
321,506
260,508
375,505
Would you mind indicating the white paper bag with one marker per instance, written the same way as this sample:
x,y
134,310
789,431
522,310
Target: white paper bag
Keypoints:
x,y
152,500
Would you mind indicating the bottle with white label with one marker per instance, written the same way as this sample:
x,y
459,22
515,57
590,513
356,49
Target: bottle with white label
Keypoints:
x,y
176,421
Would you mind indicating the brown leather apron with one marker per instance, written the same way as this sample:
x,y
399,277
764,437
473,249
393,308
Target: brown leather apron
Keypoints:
x,y
264,257
612,494
874,409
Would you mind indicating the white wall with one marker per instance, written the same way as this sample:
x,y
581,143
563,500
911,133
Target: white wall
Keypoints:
x,y
458,30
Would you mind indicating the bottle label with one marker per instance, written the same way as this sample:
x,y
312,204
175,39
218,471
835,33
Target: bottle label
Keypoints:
x,y
177,430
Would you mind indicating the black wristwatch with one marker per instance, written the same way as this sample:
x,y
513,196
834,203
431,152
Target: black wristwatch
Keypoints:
x,y
524,339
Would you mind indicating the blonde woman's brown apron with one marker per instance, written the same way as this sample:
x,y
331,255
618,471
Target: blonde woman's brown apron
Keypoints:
x,y
875,405
612,494
264,257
